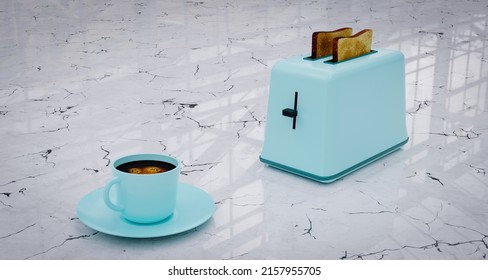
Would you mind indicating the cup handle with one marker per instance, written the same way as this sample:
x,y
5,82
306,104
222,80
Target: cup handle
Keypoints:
x,y
106,194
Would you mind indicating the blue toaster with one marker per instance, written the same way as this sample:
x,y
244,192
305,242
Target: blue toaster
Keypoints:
x,y
327,119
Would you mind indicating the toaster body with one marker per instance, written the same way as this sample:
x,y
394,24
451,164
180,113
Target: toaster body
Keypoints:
x,y
326,119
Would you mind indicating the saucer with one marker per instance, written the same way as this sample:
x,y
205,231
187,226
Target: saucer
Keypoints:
x,y
193,207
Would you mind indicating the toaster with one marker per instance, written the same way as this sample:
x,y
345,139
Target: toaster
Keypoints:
x,y
326,119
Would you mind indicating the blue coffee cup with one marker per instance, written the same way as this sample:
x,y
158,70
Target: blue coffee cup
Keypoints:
x,y
143,198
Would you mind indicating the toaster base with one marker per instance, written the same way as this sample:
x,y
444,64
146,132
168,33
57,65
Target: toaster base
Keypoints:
x,y
332,178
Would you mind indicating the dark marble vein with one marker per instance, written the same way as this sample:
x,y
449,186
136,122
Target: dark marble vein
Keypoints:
x,y
222,91
463,133
21,179
91,169
479,170
62,243
485,236
197,167
309,229
6,205
105,157
371,212
434,245
259,60
248,204
222,201
236,256
162,145
17,232
438,34
196,70
154,76
295,203
377,202
45,154
434,178
171,101
421,105
244,123
70,94
200,125
98,79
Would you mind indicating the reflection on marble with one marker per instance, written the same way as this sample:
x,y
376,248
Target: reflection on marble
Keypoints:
x,y
84,82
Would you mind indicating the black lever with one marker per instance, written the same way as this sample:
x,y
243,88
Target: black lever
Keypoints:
x,y
292,113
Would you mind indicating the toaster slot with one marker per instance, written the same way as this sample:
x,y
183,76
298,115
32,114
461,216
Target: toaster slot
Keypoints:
x,y
292,113
331,61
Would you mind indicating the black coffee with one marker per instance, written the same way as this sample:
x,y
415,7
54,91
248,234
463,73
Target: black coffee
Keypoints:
x,y
145,167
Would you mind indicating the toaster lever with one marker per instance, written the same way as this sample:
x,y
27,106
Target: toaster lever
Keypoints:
x,y
289,113
292,113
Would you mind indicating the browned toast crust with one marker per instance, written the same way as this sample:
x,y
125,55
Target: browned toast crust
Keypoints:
x,y
344,48
322,41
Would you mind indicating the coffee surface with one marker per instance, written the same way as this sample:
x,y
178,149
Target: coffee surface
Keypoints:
x,y
145,167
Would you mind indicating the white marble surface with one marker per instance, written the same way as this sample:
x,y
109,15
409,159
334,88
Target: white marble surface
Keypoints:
x,y
84,82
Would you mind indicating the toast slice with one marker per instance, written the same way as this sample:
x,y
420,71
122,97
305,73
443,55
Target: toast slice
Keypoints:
x,y
322,41
344,48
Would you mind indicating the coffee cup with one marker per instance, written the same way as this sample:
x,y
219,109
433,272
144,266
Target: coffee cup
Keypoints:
x,y
144,187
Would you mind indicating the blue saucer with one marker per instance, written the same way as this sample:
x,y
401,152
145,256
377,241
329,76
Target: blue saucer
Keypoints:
x,y
193,208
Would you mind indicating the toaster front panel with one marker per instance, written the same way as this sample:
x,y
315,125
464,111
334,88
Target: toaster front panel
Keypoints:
x,y
294,132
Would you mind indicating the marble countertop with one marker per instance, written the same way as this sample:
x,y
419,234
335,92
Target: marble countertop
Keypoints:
x,y
85,82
